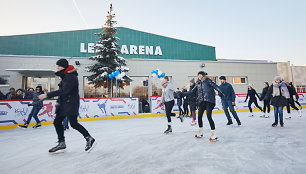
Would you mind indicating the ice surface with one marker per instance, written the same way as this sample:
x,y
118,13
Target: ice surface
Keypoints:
x,y
138,146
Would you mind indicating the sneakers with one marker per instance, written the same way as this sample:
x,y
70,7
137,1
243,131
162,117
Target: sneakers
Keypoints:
x,y
59,148
25,125
90,143
200,133
37,125
169,130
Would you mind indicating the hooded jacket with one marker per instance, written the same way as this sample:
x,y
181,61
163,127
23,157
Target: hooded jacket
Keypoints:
x,y
229,92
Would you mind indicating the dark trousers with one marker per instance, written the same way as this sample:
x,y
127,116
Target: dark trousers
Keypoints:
x,y
34,112
208,107
169,106
185,107
291,103
58,124
181,110
266,106
256,104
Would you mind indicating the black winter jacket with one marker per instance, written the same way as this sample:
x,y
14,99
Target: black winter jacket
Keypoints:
x,y
68,93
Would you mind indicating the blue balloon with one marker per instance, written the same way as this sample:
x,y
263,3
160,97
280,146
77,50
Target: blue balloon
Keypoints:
x,y
163,75
152,72
116,73
110,76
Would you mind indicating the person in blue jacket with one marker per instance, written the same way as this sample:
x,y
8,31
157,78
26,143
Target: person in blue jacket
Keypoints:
x,y
228,101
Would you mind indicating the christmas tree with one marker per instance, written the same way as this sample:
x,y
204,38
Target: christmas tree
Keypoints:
x,y
107,59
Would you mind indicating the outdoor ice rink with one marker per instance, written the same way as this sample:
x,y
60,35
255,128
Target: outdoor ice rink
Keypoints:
x,y
138,146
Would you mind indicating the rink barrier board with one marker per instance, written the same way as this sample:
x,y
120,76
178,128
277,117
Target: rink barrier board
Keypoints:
x,y
3,127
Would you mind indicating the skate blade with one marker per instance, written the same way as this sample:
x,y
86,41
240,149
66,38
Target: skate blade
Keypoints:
x,y
93,146
197,136
166,133
59,151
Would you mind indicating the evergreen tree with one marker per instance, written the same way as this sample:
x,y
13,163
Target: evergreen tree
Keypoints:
x,y
107,59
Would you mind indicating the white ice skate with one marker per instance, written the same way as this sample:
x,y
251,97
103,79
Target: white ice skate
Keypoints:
x,y
251,114
193,123
213,136
300,113
288,116
200,133
267,115
262,115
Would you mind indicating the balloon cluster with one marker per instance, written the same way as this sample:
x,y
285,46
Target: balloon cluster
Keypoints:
x,y
157,73
116,75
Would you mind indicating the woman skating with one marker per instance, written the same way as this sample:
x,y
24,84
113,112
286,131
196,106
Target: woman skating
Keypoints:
x,y
266,100
193,103
280,96
252,95
206,101
291,103
167,99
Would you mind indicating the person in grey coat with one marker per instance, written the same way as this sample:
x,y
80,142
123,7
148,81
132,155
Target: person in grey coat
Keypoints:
x,y
37,105
206,100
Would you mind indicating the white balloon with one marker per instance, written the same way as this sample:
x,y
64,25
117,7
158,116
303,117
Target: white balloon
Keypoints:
x,y
154,76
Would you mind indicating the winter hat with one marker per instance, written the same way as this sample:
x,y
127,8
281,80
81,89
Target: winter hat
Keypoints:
x,y
278,78
202,73
63,63
250,85
222,78
39,87
192,81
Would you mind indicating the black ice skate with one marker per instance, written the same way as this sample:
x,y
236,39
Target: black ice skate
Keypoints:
x,y
274,124
169,130
37,125
90,144
25,125
66,128
60,148
238,122
281,123
229,122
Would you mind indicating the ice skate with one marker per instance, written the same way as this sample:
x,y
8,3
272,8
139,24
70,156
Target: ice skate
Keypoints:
x,y
90,143
60,148
193,122
213,136
25,125
200,133
262,115
229,122
37,125
300,113
181,118
238,122
267,115
274,124
288,117
251,114
281,123
169,130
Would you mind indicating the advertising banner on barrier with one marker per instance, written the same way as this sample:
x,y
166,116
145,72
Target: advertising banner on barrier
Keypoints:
x,y
16,112
240,103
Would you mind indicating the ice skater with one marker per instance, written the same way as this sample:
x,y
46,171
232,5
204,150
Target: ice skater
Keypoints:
x,y
280,96
291,103
68,105
266,100
206,101
37,105
193,103
185,104
179,101
228,98
252,94
296,96
167,99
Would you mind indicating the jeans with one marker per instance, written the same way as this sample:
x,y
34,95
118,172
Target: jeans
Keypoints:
x,y
278,113
208,107
65,122
34,112
227,104
58,124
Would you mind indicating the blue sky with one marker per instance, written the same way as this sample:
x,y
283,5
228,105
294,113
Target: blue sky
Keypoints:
x,y
239,29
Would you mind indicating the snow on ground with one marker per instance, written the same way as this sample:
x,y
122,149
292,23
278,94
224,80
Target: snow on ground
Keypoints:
x,y
138,146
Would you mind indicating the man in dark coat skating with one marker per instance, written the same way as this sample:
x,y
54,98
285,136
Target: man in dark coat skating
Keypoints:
x,y
67,105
